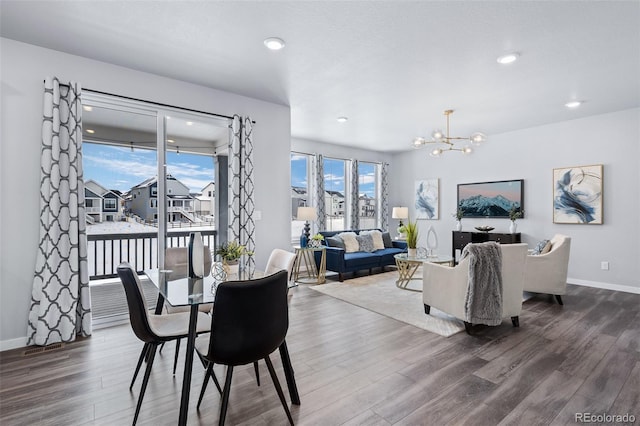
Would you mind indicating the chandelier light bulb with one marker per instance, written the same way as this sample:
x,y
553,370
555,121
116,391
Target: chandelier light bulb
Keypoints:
x,y
467,150
436,152
418,142
477,138
437,135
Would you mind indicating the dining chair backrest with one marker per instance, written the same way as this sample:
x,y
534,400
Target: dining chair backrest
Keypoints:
x,y
251,319
280,260
138,314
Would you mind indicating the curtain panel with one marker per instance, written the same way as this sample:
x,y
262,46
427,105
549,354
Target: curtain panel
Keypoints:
x,y
241,188
355,196
60,299
321,221
384,196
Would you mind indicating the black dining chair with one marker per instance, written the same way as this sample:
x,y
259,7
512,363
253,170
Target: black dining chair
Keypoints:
x,y
250,321
153,330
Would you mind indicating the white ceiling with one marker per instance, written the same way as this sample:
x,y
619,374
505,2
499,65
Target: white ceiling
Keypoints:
x,y
392,67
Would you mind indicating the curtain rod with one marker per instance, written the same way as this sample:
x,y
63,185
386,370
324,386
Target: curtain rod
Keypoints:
x,y
155,103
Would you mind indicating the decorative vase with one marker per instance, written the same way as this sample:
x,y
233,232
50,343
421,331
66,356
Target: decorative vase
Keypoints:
x,y
432,241
458,225
231,267
314,243
303,240
412,252
196,255
513,227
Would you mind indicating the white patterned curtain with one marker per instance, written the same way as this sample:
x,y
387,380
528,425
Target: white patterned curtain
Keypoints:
x,y
319,193
384,196
60,300
355,196
241,188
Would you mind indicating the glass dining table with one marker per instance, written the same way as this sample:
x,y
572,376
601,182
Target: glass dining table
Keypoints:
x,y
180,290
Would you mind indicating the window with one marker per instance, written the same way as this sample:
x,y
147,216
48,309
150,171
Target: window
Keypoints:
x,y
334,190
368,195
300,190
110,204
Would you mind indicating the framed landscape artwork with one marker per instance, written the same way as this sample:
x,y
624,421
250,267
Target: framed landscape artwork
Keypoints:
x,y
426,196
491,199
577,195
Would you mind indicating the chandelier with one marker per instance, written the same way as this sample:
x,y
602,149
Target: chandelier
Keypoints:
x,y
445,143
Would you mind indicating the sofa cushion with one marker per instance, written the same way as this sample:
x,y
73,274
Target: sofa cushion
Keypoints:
x,y
360,260
376,235
365,242
542,247
335,242
386,239
350,242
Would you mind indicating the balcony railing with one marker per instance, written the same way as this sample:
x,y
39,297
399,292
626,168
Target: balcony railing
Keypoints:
x,y
107,251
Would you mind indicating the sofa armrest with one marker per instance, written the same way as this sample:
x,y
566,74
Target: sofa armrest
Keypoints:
x,y
399,244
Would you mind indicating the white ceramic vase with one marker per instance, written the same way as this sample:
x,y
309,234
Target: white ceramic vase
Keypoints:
x,y
513,227
412,252
196,255
458,225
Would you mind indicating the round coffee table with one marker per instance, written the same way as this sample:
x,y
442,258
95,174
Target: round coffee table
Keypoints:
x,y
407,267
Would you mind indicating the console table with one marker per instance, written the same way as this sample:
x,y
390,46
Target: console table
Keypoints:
x,y
462,238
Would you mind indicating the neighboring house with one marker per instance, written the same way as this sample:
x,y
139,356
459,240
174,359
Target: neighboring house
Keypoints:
x,y
366,206
334,203
101,204
205,202
298,199
144,201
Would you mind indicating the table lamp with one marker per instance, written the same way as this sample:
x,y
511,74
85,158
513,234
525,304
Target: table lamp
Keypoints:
x,y
307,214
400,213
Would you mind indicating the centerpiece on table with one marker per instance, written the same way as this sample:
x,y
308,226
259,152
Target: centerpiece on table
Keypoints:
x,y
514,214
316,241
230,253
411,231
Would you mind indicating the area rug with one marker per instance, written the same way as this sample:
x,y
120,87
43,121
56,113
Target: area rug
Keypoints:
x,y
378,293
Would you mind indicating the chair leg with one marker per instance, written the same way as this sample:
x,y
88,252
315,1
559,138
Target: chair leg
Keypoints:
x,y
427,309
145,381
225,396
276,383
559,299
175,358
467,327
205,382
255,367
515,321
143,355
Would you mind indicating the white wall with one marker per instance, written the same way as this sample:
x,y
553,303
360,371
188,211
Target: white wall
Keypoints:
x,y
532,154
23,69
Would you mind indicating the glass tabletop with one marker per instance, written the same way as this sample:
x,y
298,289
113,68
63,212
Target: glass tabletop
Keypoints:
x,y
437,258
180,290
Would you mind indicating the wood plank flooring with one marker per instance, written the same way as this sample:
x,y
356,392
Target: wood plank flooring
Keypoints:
x,y
356,367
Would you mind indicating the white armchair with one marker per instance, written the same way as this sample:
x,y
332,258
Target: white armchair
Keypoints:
x,y
547,273
445,288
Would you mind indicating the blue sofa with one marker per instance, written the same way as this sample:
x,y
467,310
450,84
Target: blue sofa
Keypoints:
x,y
341,262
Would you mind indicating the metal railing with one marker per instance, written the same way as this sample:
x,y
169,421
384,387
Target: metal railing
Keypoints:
x,y
106,251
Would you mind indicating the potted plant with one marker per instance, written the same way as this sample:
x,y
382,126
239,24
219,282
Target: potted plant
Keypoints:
x,y
411,230
316,240
514,213
459,214
230,252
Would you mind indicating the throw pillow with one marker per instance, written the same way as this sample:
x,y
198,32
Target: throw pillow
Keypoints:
x,y
378,243
386,239
541,246
350,243
365,242
547,248
335,242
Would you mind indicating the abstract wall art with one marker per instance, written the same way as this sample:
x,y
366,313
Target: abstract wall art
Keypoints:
x,y
426,196
577,195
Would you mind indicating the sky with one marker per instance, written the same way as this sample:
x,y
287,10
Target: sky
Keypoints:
x,y
119,168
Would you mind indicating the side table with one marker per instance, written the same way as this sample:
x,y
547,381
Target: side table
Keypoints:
x,y
407,267
314,274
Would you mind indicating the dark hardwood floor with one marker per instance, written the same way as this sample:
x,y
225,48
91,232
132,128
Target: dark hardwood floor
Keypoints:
x,y
356,367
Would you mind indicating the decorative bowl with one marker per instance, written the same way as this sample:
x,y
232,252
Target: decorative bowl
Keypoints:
x,y
485,228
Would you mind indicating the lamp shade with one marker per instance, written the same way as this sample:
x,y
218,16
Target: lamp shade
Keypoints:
x,y
400,213
307,213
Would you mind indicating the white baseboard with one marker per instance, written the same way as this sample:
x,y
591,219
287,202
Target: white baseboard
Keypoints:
x,y
606,286
6,345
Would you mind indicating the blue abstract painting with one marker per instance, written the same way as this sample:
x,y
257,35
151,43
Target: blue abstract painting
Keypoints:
x,y
426,196
577,196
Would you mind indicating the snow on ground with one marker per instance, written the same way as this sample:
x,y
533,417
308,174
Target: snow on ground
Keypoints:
x,y
134,227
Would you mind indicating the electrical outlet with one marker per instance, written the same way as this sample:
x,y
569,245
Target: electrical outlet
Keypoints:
x,y
604,265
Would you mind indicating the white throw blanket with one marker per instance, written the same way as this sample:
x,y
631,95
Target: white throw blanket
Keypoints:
x,y
483,303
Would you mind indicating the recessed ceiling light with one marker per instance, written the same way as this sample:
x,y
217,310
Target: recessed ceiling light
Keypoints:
x,y
189,123
573,104
170,140
90,131
87,108
342,119
274,43
508,58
